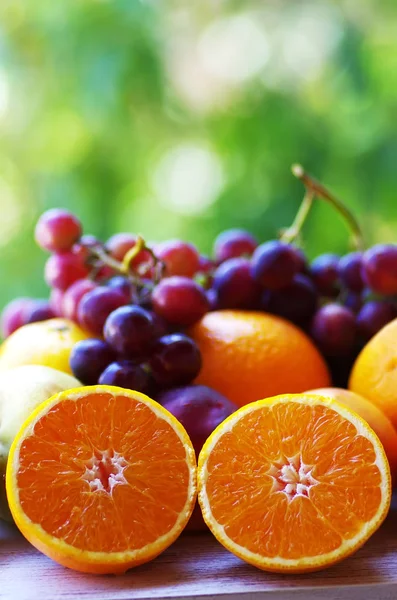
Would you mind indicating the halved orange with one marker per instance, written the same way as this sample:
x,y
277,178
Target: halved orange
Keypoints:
x,y
101,479
293,483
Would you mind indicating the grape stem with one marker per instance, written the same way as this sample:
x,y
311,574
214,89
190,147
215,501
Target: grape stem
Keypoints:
x,y
318,189
289,235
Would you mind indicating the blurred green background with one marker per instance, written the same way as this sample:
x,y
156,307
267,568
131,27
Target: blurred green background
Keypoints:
x,y
176,119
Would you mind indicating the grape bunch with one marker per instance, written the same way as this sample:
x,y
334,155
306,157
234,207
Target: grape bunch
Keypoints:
x,y
138,300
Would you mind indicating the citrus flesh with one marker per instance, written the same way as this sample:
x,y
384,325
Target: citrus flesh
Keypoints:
x,y
101,479
373,415
250,355
293,483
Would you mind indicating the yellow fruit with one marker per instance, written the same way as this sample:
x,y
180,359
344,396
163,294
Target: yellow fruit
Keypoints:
x,y
47,343
22,389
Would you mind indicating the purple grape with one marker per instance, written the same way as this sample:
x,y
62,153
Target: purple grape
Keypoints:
x,y
39,310
296,302
234,285
176,360
350,271
199,408
353,301
274,264
234,243
324,272
121,284
125,374
373,316
180,300
13,315
212,298
89,358
380,269
334,329
96,306
130,330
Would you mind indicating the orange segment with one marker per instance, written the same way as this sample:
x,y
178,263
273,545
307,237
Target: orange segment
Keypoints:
x,y
101,479
293,483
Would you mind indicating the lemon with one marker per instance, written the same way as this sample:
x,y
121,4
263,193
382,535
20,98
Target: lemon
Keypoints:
x,y
47,343
22,389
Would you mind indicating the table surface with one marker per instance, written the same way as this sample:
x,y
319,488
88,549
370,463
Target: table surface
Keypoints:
x,y
197,567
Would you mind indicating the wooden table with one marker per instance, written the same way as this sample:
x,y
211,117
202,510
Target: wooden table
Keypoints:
x,y
197,567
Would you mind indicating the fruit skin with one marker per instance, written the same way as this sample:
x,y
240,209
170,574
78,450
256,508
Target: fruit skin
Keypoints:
x,y
275,263
96,306
334,329
179,258
180,300
67,555
252,355
380,268
125,374
375,418
63,269
374,315
48,343
234,243
374,373
89,358
254,559
324,272
199,408
22,389
13,315
234,285
57,229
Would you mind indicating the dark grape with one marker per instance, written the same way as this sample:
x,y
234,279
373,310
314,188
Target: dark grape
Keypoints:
x,y
274,264
96,306
234,284
296,302
57,230
324,272
199,408
234,243
353,301
63,269
39,310
334,329
212,298
380,269
130,330
125,374
180,258
123,285
176,360
180,300
89,358
13,315
373,316
73,296
350,271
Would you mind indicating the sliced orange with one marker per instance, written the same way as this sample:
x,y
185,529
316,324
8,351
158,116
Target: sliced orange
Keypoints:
x,y
101,479
293,483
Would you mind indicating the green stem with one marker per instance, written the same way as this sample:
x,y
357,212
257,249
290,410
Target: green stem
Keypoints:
x,y
289,235
320,190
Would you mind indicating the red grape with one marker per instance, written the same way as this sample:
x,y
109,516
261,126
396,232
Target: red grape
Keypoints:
x,y
373,316
57,230
199,408
89,358
334,329
56,299
180,300
234,285
123,285
125,374
234,243
180,258
130,330
63,269
296,302
324,272
13,315
120,243
350,271
380,269
176,360
275,263
96,306
38,310
73,296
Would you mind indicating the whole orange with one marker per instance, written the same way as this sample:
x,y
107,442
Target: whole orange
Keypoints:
x,y
374,374
248,356
375,418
